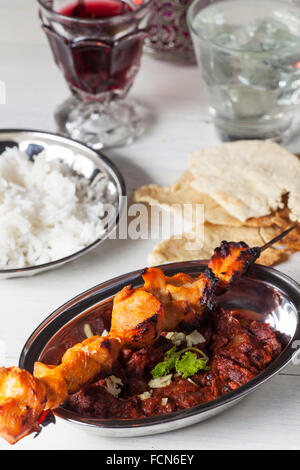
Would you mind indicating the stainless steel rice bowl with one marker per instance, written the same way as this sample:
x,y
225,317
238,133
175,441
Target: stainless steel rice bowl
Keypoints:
x,y
83,161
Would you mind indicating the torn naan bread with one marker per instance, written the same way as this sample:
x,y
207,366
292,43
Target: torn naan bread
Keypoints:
x,y
248,178
182,198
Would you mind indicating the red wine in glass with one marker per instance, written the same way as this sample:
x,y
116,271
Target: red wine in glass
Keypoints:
x,y
96,9
92,65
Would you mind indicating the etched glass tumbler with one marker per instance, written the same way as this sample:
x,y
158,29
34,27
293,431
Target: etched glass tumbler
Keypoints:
x,y
249,55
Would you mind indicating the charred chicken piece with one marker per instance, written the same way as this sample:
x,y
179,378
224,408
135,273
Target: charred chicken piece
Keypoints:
x,y
231,260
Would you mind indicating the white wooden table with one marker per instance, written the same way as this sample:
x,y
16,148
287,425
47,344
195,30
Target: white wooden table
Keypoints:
x,y
269,418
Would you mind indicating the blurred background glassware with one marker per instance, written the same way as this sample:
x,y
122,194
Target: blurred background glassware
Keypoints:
x,y
249,54
169,37
98,44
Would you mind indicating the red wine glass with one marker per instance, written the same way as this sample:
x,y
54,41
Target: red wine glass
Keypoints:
x,y
97,44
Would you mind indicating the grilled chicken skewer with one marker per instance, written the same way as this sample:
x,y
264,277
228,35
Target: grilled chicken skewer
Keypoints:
x,y
139,316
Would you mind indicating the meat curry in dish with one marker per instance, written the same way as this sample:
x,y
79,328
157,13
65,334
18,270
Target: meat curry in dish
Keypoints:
x,y
237,349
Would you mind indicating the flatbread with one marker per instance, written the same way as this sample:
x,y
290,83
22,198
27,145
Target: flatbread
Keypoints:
x,y
173,199
175,249
248,178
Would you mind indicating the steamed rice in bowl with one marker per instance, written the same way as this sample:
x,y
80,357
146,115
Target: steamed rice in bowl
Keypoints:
x,y
47,211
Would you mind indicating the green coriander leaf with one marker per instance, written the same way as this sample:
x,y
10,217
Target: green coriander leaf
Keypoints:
x,y
164,367
184,361
160,370
189,364
172,352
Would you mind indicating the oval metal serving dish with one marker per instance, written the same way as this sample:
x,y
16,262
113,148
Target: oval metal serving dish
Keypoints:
x,y
82,160
263,294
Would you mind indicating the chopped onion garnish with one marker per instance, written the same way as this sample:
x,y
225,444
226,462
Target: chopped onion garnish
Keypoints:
x,y
113,385
145,395
176,337
161,382
192,382
194,338
88,330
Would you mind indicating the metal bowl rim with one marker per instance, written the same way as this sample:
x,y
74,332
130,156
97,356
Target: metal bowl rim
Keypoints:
x,y
121,206
140,423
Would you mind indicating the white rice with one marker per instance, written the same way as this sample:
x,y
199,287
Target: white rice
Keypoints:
x,y
47,212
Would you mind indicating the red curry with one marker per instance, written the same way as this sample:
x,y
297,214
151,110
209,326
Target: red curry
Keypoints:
x,y
238,350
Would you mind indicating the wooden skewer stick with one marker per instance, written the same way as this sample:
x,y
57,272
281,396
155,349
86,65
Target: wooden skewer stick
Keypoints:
x,y
276,239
